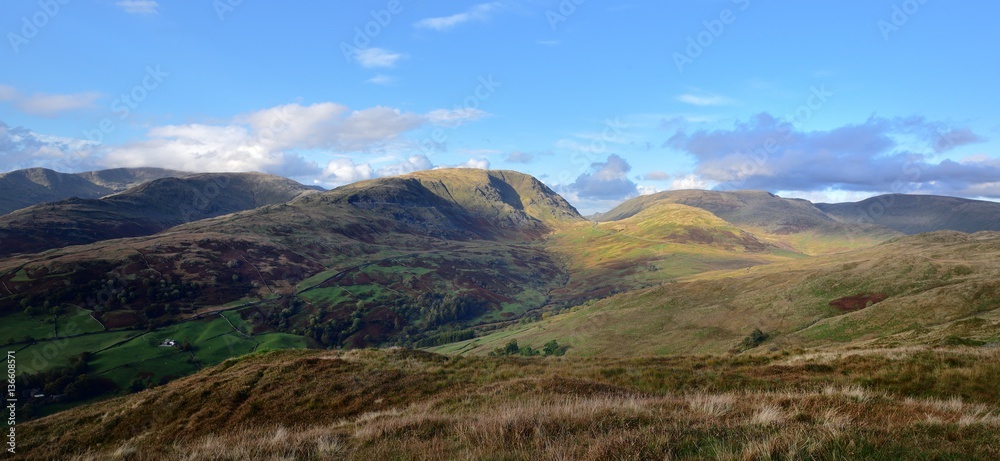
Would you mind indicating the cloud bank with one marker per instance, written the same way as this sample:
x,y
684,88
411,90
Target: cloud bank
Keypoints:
x,y
880,155
606,181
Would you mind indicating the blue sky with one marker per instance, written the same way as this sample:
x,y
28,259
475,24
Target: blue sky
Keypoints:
x,y
827,101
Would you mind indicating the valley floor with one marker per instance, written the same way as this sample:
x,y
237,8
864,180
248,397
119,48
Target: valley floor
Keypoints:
x,y
906,403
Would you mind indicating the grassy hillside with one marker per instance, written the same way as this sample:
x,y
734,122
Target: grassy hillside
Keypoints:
x,y
939,288
24,188
889,404
461,261
414,260
663,242
793,224
142,210
914,214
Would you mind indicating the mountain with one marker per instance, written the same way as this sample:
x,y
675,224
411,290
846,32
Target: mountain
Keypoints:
x,y
23,188
915,214
435,258
142,210
742,208
664,221
931,289
393,260
663,241
794,224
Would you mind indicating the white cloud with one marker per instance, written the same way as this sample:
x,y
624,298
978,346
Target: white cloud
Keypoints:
x,y
880,154
269,139
477,163
480,12
23,148
139,6
382,80
411,164
704,100
689,182
283,140
329,126
49,105
647,190
344,171
377,57
369,127
455,117
606,181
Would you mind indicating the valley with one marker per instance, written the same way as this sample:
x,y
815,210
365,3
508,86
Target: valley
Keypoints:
x,y
486,288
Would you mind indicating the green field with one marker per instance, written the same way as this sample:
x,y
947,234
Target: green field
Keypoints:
x,y
125,355
15,327
47,355
212,342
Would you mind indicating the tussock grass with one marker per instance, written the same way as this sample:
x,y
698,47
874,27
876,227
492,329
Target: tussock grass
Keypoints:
x,y
714,405
401,404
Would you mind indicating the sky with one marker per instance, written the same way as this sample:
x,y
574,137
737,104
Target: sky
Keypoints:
x,y
826,100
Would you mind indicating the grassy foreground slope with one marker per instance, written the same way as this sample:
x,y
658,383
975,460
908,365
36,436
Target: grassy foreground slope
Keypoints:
x,y
938,288
396,404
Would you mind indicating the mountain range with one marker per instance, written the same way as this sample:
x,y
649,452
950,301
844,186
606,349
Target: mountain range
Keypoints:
x,y
105,267
23,188
145,209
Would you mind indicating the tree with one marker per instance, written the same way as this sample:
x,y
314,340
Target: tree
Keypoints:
x,y
553,348
511,348
137,385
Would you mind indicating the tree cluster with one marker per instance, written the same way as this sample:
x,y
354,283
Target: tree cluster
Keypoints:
x,y
71,383
512,348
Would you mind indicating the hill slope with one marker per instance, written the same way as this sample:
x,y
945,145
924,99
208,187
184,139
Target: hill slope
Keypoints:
x,y
742,208
390,260
661,242
400,404
24,188
791,223
915,214
142,210
938,288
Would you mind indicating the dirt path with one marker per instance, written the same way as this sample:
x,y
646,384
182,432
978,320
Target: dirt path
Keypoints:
x,y
258,274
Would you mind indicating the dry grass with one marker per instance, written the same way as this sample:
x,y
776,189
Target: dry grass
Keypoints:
x,y
713,405
817,425
942,289
402,404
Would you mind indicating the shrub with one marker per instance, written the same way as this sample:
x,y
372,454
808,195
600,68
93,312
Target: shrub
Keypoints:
x,y
756,338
